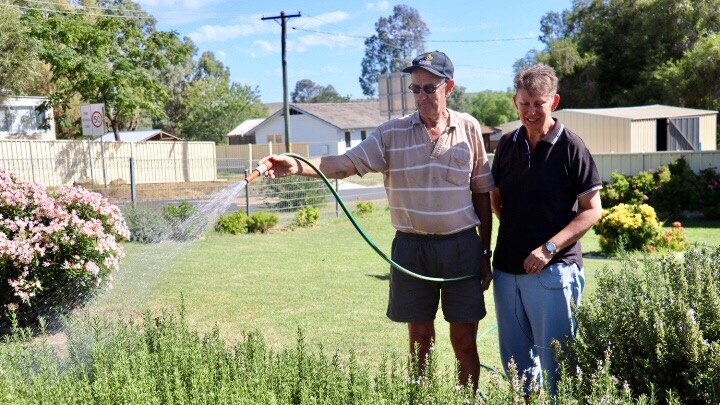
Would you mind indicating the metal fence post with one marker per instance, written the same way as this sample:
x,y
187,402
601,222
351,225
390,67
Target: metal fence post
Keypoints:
x,y
337,204
133,188
247,194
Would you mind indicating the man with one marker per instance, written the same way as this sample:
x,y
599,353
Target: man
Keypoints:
x,y
547,198
437,178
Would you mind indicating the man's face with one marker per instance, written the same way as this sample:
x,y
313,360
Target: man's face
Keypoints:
x,y
434,103
535,110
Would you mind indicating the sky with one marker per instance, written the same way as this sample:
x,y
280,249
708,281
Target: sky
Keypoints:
x,y
326,43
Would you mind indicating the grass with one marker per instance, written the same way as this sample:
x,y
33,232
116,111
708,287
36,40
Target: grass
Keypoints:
x,y
324,280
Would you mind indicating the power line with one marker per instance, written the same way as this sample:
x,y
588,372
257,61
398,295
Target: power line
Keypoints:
x,y
449,40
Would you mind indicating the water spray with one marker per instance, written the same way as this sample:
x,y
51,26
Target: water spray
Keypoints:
x,y
262,168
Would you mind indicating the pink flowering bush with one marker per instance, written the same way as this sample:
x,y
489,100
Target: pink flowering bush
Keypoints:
x,y
57,248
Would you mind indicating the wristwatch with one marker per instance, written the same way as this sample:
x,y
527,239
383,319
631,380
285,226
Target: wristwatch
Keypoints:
x,y
551,247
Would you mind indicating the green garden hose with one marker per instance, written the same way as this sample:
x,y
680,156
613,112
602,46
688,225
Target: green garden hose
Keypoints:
x,y
367,239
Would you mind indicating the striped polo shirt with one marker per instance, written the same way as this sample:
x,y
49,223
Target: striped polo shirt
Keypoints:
x,y
428,186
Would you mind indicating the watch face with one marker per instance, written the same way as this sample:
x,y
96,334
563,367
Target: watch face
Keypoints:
x,y
550,247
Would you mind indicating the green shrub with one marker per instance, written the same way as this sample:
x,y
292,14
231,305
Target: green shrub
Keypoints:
x,y
262,221
176,214
234,223
709,190
307,216
146,224
627,227
674,238
659,318
677,192
364,208
296,191
160,359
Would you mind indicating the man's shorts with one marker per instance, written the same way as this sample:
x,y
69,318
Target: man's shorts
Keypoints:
x,y
440,256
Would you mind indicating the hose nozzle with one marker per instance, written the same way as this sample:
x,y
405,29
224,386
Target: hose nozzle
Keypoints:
x,y
260,169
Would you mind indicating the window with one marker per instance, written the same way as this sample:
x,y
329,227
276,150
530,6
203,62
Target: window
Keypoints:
x,y
348,138
21,119
275,138
363,135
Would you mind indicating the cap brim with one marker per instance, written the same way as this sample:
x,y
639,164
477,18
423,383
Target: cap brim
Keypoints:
x,y
410,69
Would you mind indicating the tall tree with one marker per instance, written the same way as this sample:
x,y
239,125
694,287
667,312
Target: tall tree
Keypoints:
x,y
493,107
610,53
108,60
19,61
399,37
458,100
307,91
212,105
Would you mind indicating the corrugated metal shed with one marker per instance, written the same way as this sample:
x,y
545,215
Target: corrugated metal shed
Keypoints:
x,y
640,129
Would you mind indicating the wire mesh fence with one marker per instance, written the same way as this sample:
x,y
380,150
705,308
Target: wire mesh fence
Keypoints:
x,y
157,183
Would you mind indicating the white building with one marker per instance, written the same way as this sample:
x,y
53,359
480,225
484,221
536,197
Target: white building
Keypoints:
x,y
328,128
22,117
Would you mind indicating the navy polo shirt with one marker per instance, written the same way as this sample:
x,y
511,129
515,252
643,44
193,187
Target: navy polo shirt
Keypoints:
x,y
539,193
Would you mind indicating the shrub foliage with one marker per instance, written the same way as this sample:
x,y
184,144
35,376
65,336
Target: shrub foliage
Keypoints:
x,y
307,216
233,223
628,227
659,320
262,222
57,248
146,224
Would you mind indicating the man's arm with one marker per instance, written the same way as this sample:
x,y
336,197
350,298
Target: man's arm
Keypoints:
x,y
481,203
334,167
589,212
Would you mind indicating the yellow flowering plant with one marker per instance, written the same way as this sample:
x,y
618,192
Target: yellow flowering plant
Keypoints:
x,y
628,226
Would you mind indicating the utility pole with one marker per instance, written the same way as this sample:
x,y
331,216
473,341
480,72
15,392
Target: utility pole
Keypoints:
x,y
286,107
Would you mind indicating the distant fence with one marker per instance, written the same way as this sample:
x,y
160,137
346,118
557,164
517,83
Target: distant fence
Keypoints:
x,y
55,163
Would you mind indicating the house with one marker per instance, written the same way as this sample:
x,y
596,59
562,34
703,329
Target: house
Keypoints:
x,y
140,136
328,128
651,128
25,117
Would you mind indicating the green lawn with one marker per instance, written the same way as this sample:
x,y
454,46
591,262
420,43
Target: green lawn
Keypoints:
x,y
324,280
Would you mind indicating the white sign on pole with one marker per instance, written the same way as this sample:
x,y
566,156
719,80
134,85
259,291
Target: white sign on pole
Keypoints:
x,y
93,119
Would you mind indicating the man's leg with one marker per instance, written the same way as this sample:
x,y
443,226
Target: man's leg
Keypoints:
x,y
422,337
463,337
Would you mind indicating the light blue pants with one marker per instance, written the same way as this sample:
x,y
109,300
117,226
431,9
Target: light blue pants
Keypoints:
x,y
532,311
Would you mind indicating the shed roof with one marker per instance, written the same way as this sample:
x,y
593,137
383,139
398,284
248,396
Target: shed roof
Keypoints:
x,y
140,136
245,127
646,112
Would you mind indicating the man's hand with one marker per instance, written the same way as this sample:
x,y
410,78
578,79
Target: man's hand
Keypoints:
x,y
282,166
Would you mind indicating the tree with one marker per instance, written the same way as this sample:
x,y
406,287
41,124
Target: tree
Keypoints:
x,y
107,60
398,38
458,100
307,91
212,105
609,53
19,63
493,107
